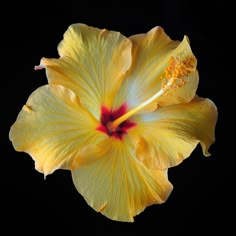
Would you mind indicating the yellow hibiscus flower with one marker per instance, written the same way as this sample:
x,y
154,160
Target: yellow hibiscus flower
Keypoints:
x,y
117,112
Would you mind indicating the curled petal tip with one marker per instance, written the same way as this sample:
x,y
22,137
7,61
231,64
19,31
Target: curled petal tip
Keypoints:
x,y
39,67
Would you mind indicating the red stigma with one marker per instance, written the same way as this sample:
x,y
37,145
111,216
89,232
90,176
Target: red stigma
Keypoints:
x,y
109,115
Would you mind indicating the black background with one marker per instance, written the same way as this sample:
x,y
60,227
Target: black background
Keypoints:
x,y
203,199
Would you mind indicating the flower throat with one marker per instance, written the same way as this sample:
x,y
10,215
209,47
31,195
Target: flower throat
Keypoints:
x,y
108,116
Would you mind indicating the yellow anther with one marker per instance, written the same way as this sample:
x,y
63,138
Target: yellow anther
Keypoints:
x,y
177,69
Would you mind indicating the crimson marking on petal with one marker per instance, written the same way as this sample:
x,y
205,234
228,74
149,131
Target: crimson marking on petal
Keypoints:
x,y
102,128
119,112
105,115
126,125
109,115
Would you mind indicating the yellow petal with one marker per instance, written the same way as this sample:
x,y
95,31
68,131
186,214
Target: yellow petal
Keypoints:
x,y
167,136
117,184
92,63
152,53
52,127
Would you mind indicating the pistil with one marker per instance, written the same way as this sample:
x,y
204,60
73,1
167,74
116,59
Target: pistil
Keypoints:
x,y
118,121
174,78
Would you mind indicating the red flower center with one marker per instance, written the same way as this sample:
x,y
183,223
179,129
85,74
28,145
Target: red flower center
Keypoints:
x,y
108,116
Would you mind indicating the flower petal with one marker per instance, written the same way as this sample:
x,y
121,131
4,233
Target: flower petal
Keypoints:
x,y
167,136
117,184
92,63
151,55
52,127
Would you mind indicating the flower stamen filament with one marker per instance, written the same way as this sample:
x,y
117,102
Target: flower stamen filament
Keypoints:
x,y
118,121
